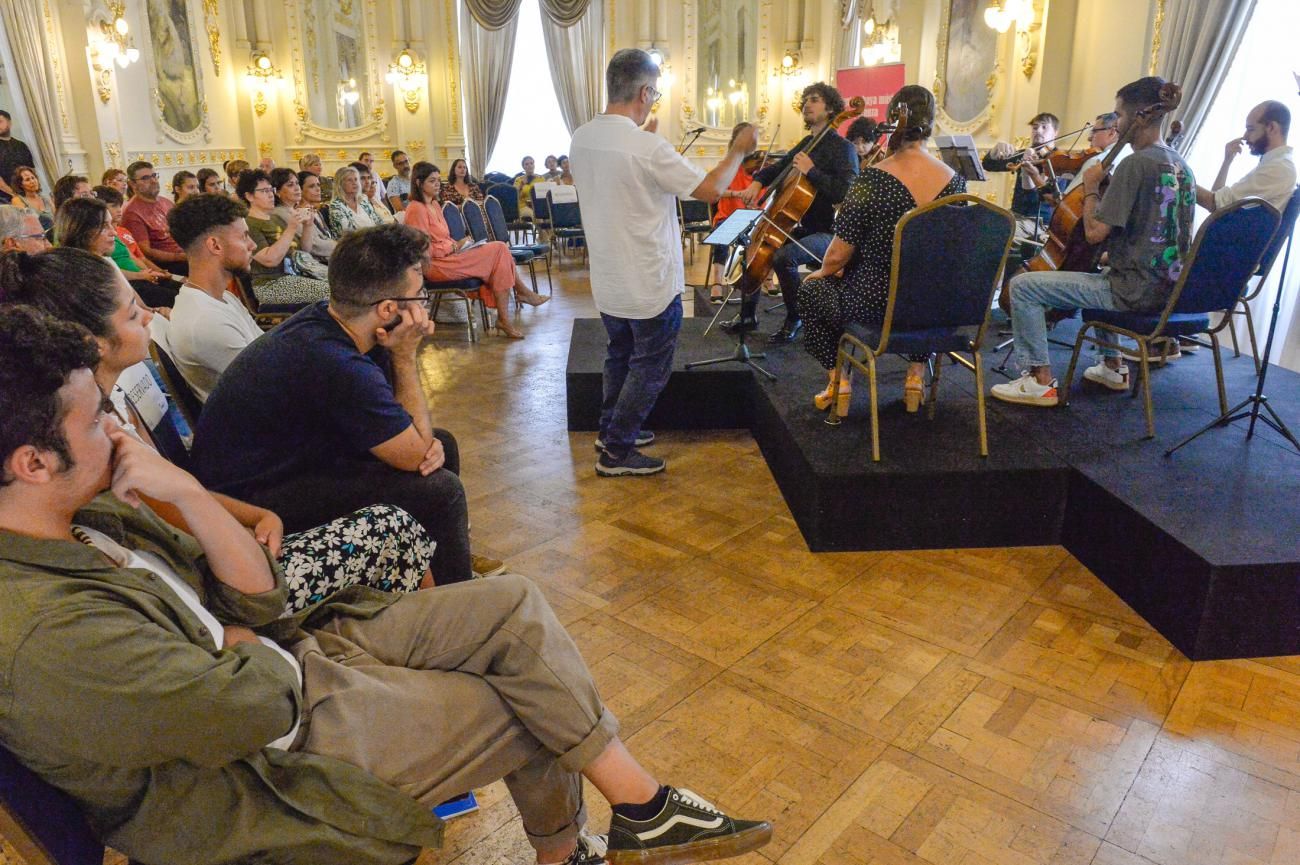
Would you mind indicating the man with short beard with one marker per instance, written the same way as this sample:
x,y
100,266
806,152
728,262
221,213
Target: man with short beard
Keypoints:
x,y
209,324
1274,178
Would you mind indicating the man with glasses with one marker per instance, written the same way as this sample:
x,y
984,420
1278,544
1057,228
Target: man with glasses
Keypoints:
x,y
21,230
398,187
209,325
628,181
1102,137
1274,178
327,411
145,216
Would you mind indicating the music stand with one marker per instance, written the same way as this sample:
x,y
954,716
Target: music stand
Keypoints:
x,y
1258,399
958,153
729,233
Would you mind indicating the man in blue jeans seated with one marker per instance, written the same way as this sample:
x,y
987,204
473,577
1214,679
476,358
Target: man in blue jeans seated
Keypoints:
x,y
628,180
1145,218
148,676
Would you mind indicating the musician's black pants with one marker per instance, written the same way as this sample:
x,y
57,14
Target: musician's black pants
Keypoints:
x,y
786,261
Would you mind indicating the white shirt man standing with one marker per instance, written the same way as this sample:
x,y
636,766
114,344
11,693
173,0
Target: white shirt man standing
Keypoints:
x,y
1274,178
628,179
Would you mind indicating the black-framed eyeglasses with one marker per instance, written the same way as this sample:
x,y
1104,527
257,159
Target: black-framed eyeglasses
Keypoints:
x,y
140,177
265,189
655,94
422,297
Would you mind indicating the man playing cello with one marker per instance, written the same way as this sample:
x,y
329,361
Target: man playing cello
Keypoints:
x,y
830,167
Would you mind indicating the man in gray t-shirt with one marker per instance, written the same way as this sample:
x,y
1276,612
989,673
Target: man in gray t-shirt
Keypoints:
x,y
1145,220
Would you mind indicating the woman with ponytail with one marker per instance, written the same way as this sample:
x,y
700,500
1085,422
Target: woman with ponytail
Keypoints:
x,y
89,290
864,240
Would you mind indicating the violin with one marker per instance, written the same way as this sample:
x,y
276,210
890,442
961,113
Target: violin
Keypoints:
x,y
1061,161
784,203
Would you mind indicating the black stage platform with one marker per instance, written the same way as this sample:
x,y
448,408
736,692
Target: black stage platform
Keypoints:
x,y
1205,545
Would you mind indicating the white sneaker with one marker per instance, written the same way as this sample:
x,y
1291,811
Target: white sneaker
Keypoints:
x,y
1115,379
1026,391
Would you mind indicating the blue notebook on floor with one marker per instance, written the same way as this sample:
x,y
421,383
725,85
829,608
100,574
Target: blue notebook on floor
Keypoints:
x,y
457,807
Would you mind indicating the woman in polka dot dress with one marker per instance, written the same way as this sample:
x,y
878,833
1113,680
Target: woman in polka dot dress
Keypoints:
x,y
864,240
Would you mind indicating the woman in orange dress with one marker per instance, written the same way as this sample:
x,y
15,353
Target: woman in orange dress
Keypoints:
x,y
490,262
727,205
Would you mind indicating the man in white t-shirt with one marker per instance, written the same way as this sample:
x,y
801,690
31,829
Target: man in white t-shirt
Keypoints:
x,y
209,325
628,179
1274,178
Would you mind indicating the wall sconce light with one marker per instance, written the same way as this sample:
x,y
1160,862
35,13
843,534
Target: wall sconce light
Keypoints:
x,y
262,75
880,41
1026,15
115,42
407,75
790,63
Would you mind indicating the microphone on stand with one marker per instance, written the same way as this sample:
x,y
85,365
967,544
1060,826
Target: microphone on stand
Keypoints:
x,y
694,135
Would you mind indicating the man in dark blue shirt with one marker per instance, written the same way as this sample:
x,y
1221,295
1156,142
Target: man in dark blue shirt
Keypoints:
x,y
326,413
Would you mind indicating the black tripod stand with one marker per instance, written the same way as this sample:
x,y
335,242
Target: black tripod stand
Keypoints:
x,y
1257,400
740,355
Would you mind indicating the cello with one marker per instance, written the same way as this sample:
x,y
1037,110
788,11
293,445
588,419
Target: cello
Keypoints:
x,y
784,205
1067,248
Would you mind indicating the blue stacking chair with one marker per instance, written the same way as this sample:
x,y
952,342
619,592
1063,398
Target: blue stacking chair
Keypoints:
x,y
948,261
524,253
475,221
696,219
1284,229
464,290
40,822
1224,256
566,223
508,197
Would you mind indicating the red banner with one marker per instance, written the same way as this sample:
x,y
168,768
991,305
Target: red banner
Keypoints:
x,y
876,84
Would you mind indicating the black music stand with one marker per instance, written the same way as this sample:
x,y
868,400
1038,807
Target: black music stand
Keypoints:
x,y
1258,400
732,233
958,153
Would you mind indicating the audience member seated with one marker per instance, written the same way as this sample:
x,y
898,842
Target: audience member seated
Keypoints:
x,y
116,178
456,259
566,178
729,203
266,164
329,736
350,210
311,162
459,186
368,160
1273,179
68,285
145,216
210,182
21,230
288,199
864,241
525,183
552,172
323,238
210,326
68,187
126,252
278,277
326,413
13,153
27,195
370,192
233,169
398,187
184,184
87,223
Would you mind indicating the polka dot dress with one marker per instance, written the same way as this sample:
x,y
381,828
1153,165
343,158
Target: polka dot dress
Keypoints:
x,y
875,203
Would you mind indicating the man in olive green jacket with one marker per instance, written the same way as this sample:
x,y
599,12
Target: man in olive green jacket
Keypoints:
x,y
131,677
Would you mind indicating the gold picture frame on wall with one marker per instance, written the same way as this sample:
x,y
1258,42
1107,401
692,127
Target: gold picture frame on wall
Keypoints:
x,y
968,69
176,79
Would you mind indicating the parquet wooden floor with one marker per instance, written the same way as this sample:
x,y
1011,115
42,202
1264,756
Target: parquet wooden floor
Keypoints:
x,y
955,707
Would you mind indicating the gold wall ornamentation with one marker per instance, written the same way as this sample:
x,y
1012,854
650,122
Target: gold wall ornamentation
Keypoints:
x,y
202,157
453,67
52,40
112,152
259,102
263,148
214,34
301,26
414,145
950,124
1156,27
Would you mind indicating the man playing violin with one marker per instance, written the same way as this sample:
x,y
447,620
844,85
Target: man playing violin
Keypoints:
x,y
830,168
1145,219
1273,179
1026,201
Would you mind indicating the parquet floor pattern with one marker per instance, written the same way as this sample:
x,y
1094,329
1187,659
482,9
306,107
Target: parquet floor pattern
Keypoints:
x,y
955,707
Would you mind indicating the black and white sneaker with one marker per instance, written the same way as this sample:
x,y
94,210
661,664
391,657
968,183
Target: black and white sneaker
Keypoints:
x,y
590,850
643,438
635,463
687,829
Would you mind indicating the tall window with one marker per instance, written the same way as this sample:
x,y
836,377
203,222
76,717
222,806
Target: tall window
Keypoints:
x,y
532,125
1263,69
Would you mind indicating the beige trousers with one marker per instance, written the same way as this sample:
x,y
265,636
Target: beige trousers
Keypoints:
x,y
453,688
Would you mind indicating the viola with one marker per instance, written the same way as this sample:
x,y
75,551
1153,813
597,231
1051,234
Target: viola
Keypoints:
x,y
785,203
1062,161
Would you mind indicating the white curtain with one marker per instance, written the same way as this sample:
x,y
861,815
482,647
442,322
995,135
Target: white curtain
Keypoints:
x,y
577,55
26,34
487,54
493,14
1200,41
850,33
